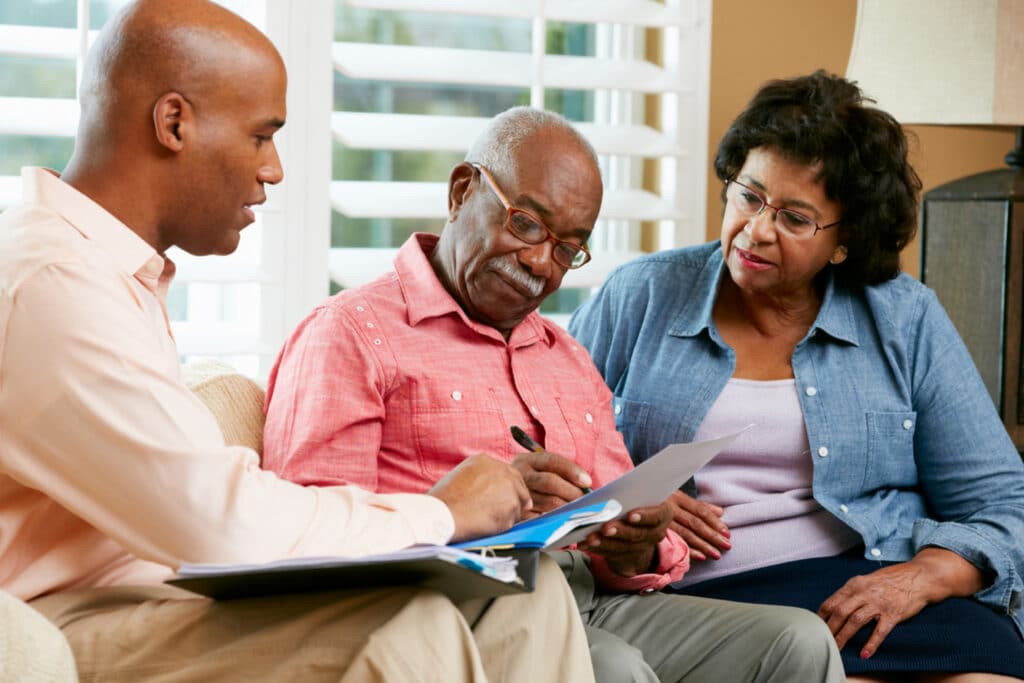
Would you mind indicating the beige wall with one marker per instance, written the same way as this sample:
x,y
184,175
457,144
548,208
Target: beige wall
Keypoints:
x,y
754,42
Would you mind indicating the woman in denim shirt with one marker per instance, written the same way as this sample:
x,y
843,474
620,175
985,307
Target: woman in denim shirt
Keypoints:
x,y
878,485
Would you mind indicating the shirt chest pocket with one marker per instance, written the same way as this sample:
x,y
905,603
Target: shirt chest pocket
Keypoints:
x,y
451,425
890,450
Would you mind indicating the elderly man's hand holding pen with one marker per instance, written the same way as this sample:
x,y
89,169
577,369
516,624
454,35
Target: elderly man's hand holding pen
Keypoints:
x,y
552,479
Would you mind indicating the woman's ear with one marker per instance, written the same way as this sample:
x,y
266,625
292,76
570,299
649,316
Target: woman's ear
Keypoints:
x,y
838,256
172,115
459,188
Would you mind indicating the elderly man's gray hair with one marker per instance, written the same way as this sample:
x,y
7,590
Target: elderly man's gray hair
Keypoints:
x,y
495,148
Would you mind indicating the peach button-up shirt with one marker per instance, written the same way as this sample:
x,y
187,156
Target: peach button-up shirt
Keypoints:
x,y
111,471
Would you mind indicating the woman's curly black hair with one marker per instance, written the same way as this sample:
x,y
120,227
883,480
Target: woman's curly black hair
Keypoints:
x,y
822,118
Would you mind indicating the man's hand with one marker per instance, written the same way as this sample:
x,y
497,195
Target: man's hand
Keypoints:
x,y
553,480
894,594
700,525
485,496
628,544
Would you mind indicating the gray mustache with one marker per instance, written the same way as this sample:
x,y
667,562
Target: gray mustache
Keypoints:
x,y
532,283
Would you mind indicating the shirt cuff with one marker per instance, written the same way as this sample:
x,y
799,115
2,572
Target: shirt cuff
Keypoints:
x,y
429,518
673,561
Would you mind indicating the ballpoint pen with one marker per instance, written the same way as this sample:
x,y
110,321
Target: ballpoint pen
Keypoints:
x,y
524,440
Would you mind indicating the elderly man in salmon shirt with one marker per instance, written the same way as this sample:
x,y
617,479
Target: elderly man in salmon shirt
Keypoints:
x,y
393,384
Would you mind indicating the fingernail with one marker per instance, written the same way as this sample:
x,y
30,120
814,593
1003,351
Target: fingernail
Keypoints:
x,y
635,517
611,532
726,543
726,533
594,543
865,653
715,554
696,555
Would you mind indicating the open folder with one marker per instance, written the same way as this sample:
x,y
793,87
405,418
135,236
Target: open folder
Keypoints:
x,y
451,569
458,574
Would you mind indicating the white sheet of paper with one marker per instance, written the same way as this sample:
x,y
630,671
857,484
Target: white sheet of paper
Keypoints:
x,y
652,481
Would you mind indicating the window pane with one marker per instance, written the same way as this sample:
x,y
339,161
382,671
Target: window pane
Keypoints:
x,y
36,77
26,150
56,13
377,232
427,29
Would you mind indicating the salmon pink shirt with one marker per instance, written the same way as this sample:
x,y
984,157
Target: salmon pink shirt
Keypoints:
x,y
390,385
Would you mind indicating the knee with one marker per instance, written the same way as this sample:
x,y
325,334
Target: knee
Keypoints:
x,y
804,644
31,648
616,661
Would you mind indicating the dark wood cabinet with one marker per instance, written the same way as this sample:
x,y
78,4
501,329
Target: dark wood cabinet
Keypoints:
x,y
972,255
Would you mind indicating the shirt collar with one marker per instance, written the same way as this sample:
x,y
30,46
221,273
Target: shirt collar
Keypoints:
x,y
129,252
426,297
836,317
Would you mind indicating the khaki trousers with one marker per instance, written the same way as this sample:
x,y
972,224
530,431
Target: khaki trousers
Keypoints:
x,y
163,634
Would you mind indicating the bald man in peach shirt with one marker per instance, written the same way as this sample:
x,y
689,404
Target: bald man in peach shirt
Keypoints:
x,y
112,473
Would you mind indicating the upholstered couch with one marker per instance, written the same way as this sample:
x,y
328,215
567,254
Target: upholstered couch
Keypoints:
x,y
34,650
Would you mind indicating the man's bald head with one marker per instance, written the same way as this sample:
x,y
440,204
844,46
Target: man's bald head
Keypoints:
x,y
152,47
180,104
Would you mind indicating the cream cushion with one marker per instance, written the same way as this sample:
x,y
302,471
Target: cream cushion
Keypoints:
x,y
32,648
235,400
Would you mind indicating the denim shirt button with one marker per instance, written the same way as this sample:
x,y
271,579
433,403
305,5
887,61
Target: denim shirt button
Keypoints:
x,y
843,508
618,408
907,424
811,391
875,552
589,418
823,452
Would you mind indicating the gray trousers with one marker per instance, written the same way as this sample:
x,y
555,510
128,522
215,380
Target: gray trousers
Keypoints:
x,y
668,638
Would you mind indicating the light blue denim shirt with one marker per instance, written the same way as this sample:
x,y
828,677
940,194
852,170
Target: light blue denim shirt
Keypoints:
x,y
907,447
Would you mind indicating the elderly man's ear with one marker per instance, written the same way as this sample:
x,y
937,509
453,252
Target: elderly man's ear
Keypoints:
x,y
172,119
460,187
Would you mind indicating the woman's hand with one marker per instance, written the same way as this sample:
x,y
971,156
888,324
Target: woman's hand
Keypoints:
x,y
700,525
896,593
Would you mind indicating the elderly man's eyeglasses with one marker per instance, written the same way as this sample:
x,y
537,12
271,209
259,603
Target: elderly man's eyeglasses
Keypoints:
x,y
750,202
532,230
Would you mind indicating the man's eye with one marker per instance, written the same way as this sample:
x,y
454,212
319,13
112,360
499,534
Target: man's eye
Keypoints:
x,y
750,198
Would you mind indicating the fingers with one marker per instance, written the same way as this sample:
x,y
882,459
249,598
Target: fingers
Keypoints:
x,y
641,527
882,630
552,476
700,525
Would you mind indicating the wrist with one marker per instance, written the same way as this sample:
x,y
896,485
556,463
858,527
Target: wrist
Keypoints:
x,y
945,574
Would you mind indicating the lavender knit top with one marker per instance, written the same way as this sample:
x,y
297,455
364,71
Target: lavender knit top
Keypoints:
x,y
763,480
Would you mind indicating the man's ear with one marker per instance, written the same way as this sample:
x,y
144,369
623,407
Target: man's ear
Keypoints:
x,y
459,188
172,115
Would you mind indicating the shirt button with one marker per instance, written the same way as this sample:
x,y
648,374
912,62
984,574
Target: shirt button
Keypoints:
x,y
843,508
589,418
647,590
533,409
907,424
370,325
823,452
377,342
618,408
875,552
811,391
457,395
360,309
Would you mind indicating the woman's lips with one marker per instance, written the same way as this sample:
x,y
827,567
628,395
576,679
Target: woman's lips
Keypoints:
x,y
752,261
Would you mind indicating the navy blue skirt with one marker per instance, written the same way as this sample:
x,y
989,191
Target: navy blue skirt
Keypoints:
x,y
957,635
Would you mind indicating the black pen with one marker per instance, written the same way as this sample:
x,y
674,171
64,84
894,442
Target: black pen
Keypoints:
x,y
524,440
